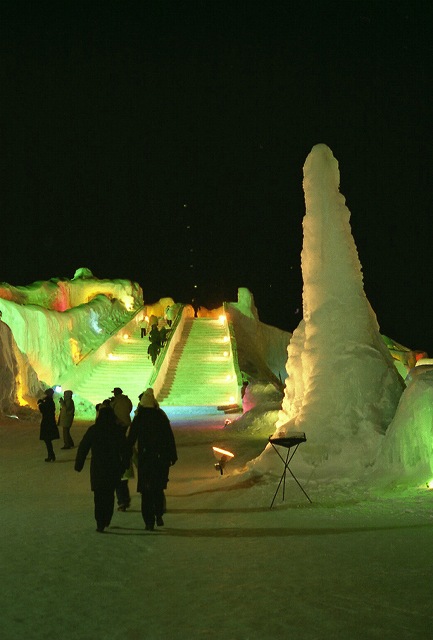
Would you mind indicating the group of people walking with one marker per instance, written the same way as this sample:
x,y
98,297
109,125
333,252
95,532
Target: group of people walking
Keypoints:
x,y
157,339
114,441
158,330
150,435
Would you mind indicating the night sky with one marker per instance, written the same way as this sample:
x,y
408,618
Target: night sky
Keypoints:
x,y
163,142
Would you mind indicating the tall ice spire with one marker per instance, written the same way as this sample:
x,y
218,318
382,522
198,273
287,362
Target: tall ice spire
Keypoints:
x,y
343,388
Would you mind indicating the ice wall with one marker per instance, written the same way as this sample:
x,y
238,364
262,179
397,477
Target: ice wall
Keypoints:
x,y
61,294
19,383
262,349
8,371
53,341
406,454
55,323
343,388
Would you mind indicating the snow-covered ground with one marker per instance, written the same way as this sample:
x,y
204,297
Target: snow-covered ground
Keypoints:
x,y
356,563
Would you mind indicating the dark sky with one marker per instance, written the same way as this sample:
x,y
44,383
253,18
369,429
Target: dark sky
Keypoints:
x,y
115,115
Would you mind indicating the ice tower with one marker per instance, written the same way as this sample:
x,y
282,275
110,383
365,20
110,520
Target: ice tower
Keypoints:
x,y
343,388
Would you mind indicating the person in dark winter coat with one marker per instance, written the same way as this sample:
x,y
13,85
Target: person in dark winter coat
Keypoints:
x,y
153,350
156,447
48,430
155,336
163,333
154,343
110,458
122,407
66,418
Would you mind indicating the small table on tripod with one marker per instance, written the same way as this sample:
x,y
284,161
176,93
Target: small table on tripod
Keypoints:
x,y
289,443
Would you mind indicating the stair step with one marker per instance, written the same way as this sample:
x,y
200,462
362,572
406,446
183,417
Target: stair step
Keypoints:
x,y
197,373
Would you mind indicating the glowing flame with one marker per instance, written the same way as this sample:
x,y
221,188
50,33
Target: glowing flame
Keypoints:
x,y
222,319
125,336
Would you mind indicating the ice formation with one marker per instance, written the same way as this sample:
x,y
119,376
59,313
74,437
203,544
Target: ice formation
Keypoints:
x,y
342,388
8,370
406,453
262,349
55,324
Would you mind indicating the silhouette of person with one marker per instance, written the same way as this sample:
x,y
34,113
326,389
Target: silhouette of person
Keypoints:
x,y
66,418
155,335
110,458
156,447
48,429
122,407
144,327
155,343
164,332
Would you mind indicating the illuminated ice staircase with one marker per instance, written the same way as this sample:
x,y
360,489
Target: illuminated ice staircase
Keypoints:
x,y
201,370
127,366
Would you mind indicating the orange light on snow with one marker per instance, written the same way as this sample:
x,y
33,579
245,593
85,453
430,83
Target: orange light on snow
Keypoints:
x,y
223,457
222,452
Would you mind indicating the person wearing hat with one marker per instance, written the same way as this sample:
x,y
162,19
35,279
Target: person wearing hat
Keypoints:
x,y
122,407
66,418
152,432
48,429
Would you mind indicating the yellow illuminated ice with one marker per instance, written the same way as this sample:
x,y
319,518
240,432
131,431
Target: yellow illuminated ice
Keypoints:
x,y
128,301
75,350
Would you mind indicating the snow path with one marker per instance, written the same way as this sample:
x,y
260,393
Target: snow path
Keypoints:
x,y
354,564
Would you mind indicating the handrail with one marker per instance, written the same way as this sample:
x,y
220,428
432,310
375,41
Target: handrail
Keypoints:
x,y
234,346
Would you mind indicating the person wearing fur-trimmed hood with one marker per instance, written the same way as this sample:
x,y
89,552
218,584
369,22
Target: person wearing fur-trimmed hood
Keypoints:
x,y
152,432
